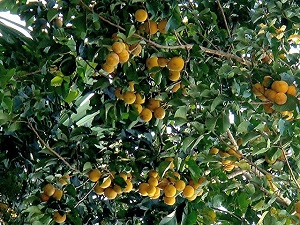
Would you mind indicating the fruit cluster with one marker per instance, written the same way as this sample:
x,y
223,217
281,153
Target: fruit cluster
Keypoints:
x,y
226,157
107,185
274,92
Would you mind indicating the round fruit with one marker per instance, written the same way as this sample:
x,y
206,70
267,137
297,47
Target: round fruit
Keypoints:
x,y
143,189
49,189
146,115
188,191
162,26
153,181
44,197
106,182
141,15
268,108
297,207
280,98
270,94
135,49
118,47
153,104
169,200
280,86
292,90
129,97
128,186
57,194
169,159
267,81
98,190
151,190
176,63
112,59
153,173
118,93
176,87
94,175
58,22
170,190
151,62
174,75
258,89
156,194
110,193
214,151
64,179
159,113
108,68
179,185
162,62
138,107
118,189
131,85
229,167
59,218
151,27
192,198
123,56
139,99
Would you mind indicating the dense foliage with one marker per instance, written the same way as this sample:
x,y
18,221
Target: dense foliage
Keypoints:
x,y
225,126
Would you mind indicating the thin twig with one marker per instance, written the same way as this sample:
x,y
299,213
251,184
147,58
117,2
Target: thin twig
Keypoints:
x,y
231,214
86,195
51,149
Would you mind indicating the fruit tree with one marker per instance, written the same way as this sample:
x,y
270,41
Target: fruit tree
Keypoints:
x,y
150,112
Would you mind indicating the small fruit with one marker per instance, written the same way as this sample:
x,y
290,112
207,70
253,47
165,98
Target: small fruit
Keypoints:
x,y
118,189
229,167
169,159
214,151
159,113
188,191
59,218
118,93
49,189
270,94
128,187
267,81
108,68
153,173
146,115
98,190
151,62
143,187
94,175
180,185
112,59
280,86
139,99
174,75
129,97
297,206
153,104
57,194
170,190
162,62
44,197
280,98
176,87
123,56
169,200
64,179
138,107
162,26
110,193
292,90
268,108
176,63
106,182
58,22
258,89
118,47
135,49
141,15
151,190
151,27
156,194
153,181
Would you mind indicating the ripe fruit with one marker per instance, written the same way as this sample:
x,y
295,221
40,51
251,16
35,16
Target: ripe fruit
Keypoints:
x,y
162,26
141,15
143,189
118,93
287,114
123,56
151,62
153,173
118,189
112,59
129,97
280,86
180,185
169,200
108,68
151,27
267,81
64,179
159,113
214,151
174,75
49,189
138,107
292,90
162,62
139,99
229,167
94,175
270,94
128,186
188,191
110,193
153,181
118,47
44,197
131,86
151,190
268,108
169,190
146,115
135,49
58,22
176,87
169,159
153,104
106,182
297,207
258,89
176,63
280,98
156,194
57,194
59,218
98,190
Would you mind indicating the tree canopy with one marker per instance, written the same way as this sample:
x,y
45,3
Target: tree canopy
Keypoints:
x,y
150,112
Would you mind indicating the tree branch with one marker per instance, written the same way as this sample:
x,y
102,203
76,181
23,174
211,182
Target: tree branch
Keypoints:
x,y
86,195
231,214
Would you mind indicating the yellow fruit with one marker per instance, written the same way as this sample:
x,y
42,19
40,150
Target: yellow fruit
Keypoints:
x,y
151,27
176,63
118,47
135,49
280,98
108,68
169,200
262,98
224,154
65,179
170,190
267,81
287,114
57,194
162,26
153,181
98,190
138,107
163,183
143,187
118,93
159,113
228,167
169,159
151,62
123,56
297,206
118,189
268,108
128,187
59,218
153,173
212,215
153,104
176,87
106,182
146,115
112,59
151,190
49,189
94,175
235,153
44,197
180,185
110,193
162,62
123,175
292,90
156,194
129,97
58,22
141,15
280,86
139,99
270,94
174,75
239,142
188,191
214,151
131,86
258,89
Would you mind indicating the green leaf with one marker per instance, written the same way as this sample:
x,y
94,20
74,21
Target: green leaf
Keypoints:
x,y
181,112
217,101
190,218
223,122
57,81
194,169
290,104
163,167
169,219
210,123
71,96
